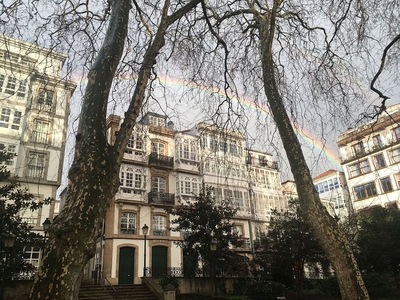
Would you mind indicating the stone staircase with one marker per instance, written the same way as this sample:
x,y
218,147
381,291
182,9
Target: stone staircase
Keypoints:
x,y
125,292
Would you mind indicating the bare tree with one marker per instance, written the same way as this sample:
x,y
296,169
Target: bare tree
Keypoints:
x,y
304,57
94,174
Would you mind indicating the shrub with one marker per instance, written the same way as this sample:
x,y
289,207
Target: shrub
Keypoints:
x,y
168,279
329,286
259,289
378,285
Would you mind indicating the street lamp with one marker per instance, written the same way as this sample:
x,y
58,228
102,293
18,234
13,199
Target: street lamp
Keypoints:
x,y
145,230
213,248
46,226
8,244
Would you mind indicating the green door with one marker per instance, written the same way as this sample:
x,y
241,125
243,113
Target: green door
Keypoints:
x,y
126,265
159,261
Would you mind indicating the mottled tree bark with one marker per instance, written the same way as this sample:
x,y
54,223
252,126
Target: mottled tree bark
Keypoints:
x,y
333,241
94,175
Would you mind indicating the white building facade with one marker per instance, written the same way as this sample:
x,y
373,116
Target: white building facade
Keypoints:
x,y
334,194
162,167
370,156
34,111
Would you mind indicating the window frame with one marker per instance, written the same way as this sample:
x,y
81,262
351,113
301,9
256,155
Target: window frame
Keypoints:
x,y
366,190
159,228
395,158
45,99
359,168
39,135
378,162
387,186
38,169
128,227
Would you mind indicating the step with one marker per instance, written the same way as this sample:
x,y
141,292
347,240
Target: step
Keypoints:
x,y
125,292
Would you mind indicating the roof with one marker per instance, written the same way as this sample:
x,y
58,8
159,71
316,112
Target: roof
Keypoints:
x,y
326,173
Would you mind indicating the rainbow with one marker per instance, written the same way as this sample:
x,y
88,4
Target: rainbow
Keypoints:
x,y
307,136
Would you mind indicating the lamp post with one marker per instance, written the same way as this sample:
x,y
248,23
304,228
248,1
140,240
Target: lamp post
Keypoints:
x,y
145,230
8,244
213,248
46,226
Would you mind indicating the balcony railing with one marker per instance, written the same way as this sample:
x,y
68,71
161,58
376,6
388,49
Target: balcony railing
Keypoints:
x,y
162,198
262,163
197,272
161,160
244,243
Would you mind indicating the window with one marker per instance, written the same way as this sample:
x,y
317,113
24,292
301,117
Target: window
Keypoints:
x,y
40,132
44,100
128,223
379,161
16,120
223,145
396,132
2,77
377,141
159,225
11,83
158,184
32,256
213,143
217,195
365,191
386,185
339,202
239,200
36,165
238,229
10,149
158,148
134,144
5,117
22,88
188,150
358,148
395,155
359,168
228,195
153,120
233,148
189,186
132,181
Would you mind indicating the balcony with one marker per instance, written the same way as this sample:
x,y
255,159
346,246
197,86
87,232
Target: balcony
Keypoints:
x,y
244,243
162,198
159,160
262,163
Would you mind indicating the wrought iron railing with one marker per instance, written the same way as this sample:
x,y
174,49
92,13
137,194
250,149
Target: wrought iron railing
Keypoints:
x,y
164,198
197,272
161,160
160,232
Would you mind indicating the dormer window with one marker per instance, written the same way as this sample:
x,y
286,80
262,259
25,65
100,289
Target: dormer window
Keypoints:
x,y
154,120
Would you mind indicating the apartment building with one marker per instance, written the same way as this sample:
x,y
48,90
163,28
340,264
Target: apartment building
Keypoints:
x,y
34,111
163,167
370,156
334,194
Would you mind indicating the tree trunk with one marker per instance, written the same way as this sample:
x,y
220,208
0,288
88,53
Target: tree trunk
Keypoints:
x,y
94,174
325,229
93,178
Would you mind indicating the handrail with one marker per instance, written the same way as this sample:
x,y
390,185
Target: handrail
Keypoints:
x,y
114,289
